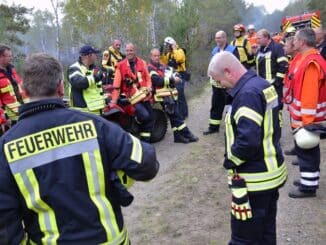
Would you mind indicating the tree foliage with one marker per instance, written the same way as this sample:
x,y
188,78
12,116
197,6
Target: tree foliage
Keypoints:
x,y
318,5
13,21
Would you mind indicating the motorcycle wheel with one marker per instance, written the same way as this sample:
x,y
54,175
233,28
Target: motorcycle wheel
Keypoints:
x,y
160,125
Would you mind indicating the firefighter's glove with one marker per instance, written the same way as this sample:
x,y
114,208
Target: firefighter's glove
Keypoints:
x,y
121,194
98,76
240,206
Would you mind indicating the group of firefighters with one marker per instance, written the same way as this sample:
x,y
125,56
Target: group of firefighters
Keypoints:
x,y
294,72
256,76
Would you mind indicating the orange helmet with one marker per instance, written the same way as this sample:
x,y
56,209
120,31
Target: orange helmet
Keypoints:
x,y
239,27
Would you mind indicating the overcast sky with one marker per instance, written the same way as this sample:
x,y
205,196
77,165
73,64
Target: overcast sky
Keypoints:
x,y
270,5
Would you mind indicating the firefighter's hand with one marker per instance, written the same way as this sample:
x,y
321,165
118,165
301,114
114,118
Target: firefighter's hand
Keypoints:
x,y
98,76
228,164
176,78
240,206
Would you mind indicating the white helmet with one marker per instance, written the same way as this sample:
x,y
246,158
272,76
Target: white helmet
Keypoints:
x,y
251,27
306,139
169,40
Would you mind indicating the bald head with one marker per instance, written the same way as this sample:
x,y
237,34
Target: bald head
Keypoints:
x,y
221,39
155,55
226,68
116,44
130,51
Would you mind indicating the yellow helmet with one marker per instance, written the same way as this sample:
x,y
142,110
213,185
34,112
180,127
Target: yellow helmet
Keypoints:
x,y
290,29
306,139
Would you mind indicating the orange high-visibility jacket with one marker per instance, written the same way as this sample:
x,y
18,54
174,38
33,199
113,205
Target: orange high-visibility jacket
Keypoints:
x,y
305,89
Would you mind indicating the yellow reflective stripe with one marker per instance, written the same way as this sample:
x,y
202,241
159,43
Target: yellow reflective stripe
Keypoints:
x,y
280,59
6,89
75,73
96,187
268,146
145,134
315,22
122,237
214,122
85,109
29,188
230,139
153,73
271,97
179,128
239,192
166,81
267,185
263,176
268,67
248,113
137,150
24,240
279,74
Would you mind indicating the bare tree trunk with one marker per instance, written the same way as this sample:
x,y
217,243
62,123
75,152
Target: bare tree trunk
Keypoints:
x,y
56,9
152,26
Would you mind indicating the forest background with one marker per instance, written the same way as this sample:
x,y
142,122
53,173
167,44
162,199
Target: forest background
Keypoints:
x,y
193,24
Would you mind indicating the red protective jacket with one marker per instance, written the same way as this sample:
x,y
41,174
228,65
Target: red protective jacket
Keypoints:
x,y
10,89
305,89
124,77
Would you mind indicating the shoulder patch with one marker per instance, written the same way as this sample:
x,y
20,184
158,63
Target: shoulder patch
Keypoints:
x,y
271,97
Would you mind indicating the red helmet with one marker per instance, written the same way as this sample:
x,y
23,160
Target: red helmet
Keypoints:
x,y
239,27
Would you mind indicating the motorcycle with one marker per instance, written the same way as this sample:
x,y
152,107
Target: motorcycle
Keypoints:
x,y
123,113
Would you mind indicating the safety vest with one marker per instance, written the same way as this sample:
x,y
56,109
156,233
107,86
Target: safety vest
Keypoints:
x,y
165,90
134,85
243,47
11,93
293,88
266,169
111,58
228,48
93,95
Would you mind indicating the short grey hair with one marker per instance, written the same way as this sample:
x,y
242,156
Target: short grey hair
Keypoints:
x,y
222,60
42,75
3,48
308,36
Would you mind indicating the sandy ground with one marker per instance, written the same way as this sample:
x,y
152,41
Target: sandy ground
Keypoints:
x,y
188,202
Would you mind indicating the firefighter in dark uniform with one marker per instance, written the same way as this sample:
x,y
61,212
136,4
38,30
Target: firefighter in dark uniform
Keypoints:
x,y
59,168
219,95
85,80
164,83
271,62
253,154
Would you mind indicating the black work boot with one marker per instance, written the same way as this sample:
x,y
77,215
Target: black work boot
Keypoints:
x,y
211,130
179,138
296,193
187,134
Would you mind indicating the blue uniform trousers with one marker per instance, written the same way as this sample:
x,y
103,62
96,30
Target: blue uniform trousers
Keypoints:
x,y
182,102
218,103
145,117
309,163
261,228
